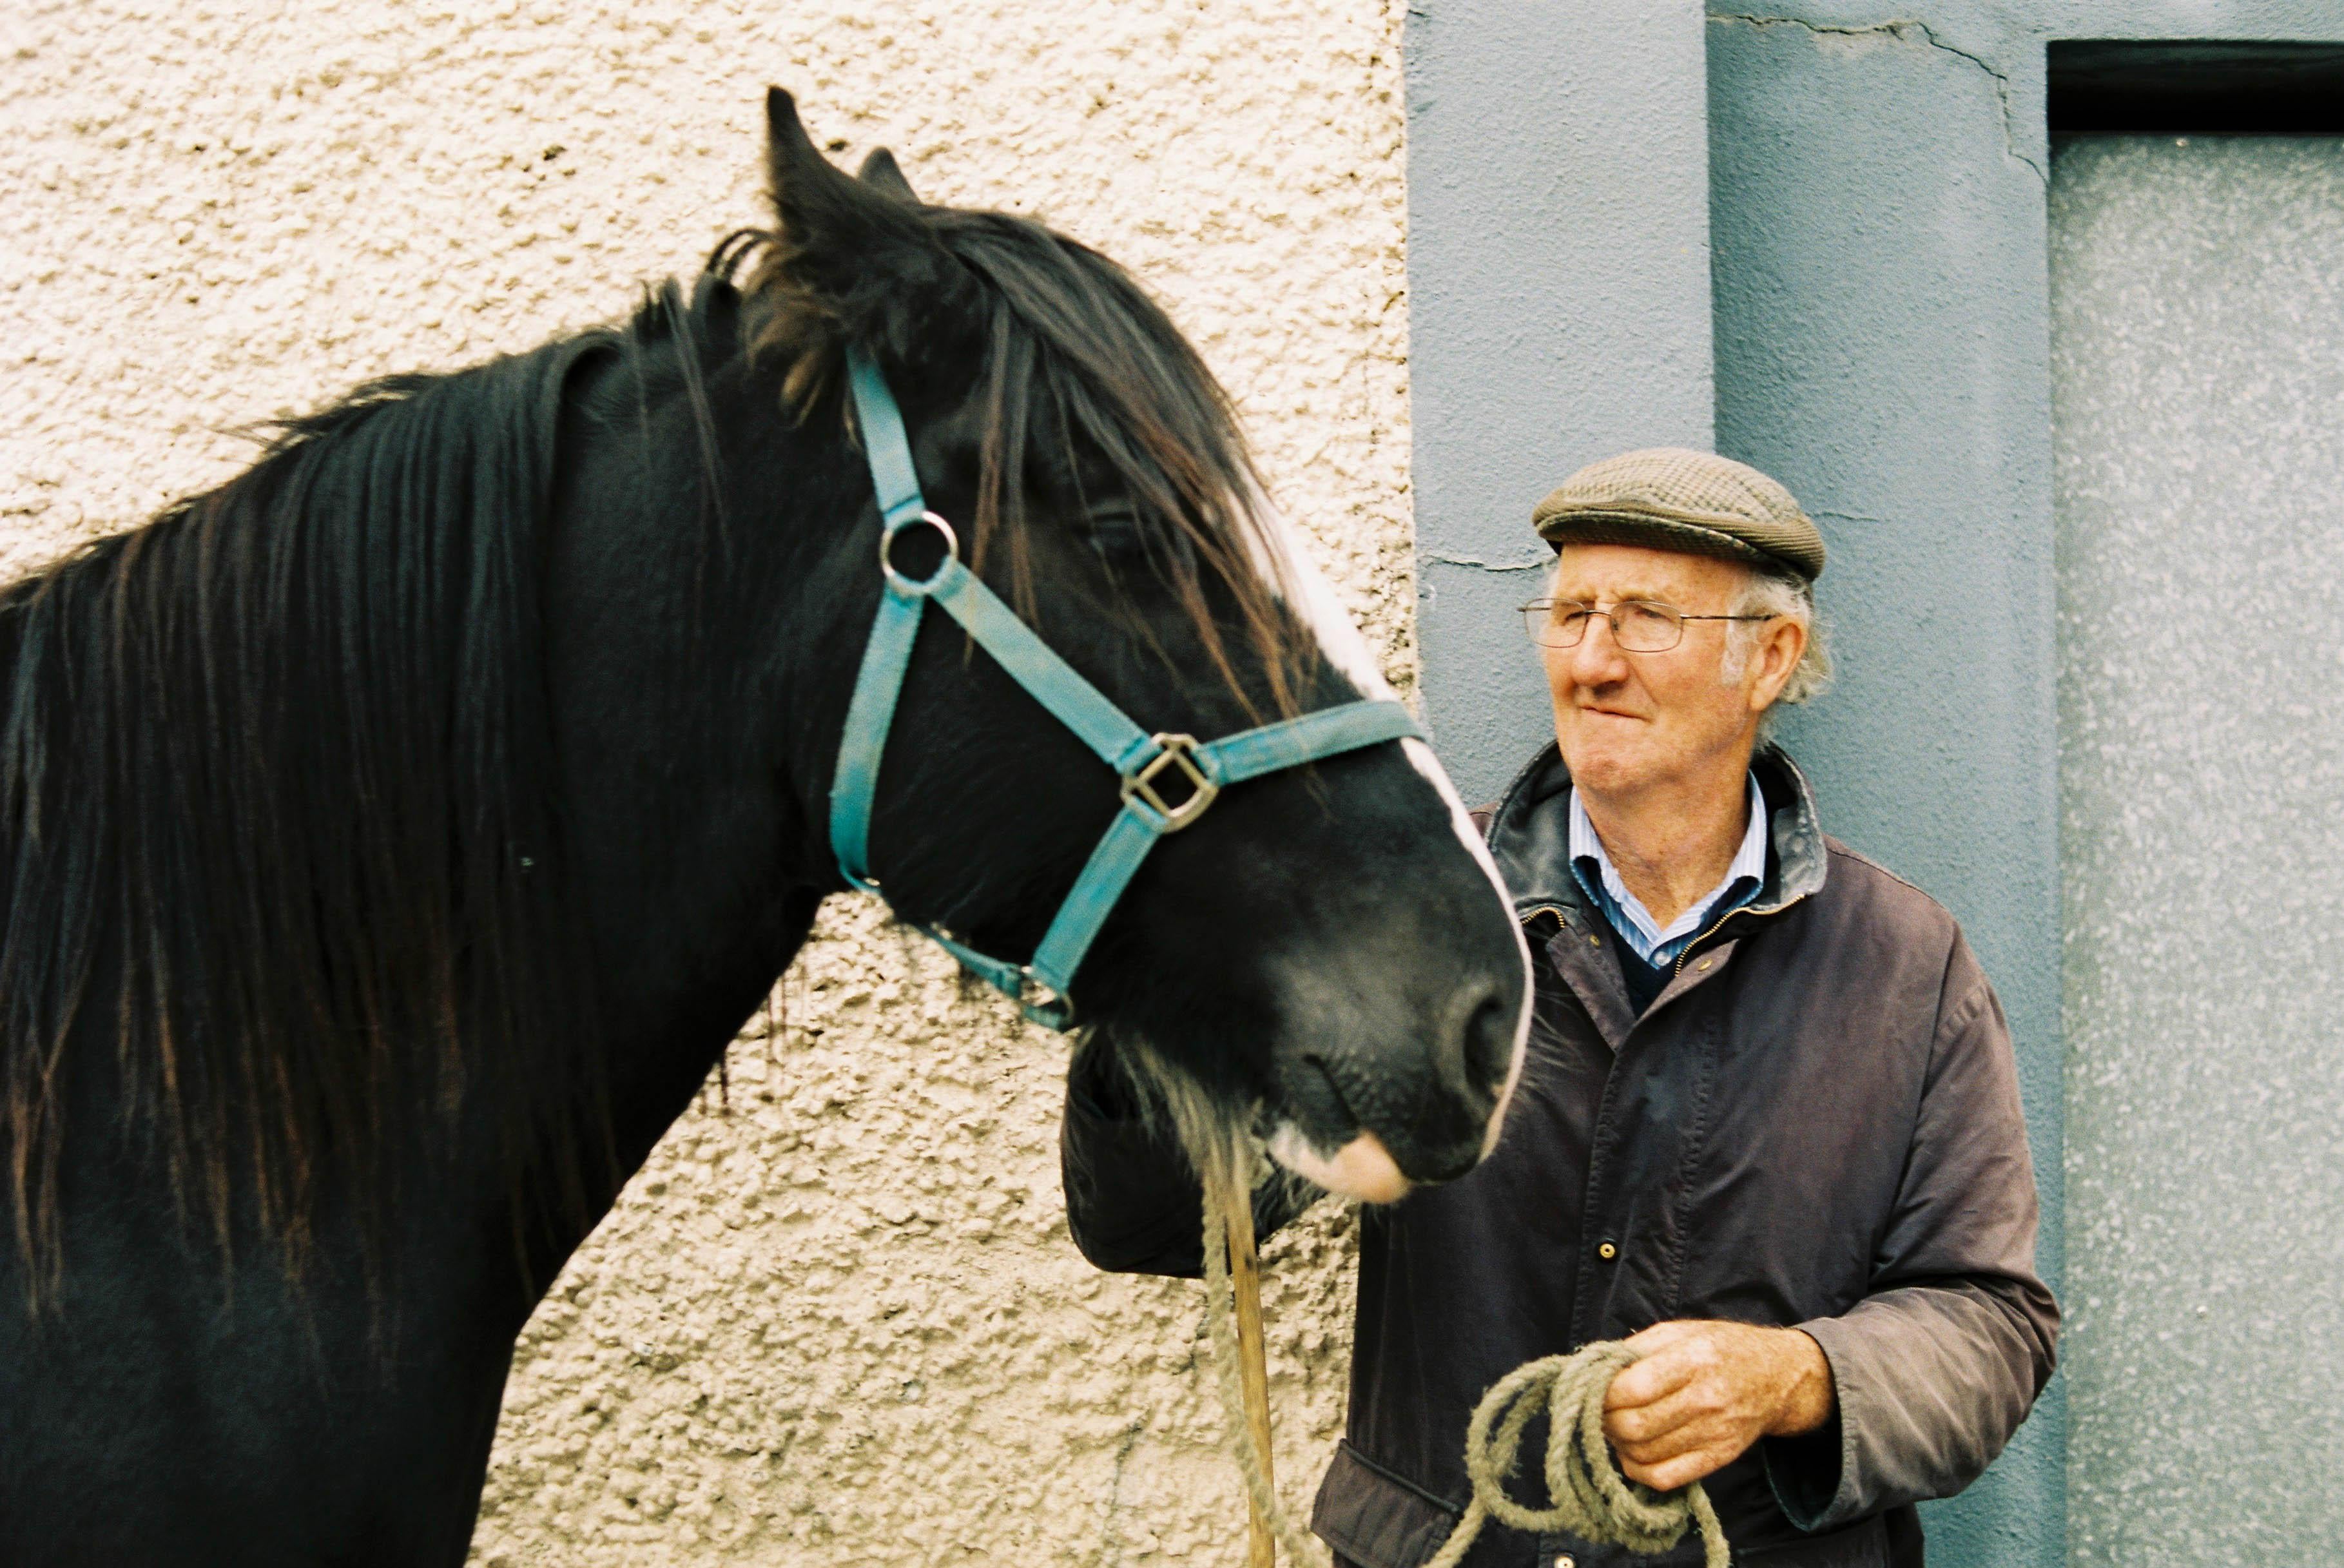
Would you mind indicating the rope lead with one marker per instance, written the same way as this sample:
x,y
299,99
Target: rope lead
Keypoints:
x,y
1593,1500
1221,1187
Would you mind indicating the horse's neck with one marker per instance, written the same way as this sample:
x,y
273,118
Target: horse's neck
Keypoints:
x,y
663,1055
689,854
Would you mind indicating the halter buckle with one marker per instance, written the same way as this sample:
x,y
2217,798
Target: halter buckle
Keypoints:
x,y
917,587
1043,1003
1140,792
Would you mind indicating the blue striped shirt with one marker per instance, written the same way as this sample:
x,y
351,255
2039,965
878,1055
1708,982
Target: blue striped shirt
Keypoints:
x,y
1658,948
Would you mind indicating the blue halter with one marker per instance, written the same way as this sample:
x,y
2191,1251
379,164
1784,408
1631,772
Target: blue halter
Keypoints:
x,y
1142,761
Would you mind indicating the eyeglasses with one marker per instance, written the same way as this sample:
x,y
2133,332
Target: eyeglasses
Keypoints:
x,y
1638,625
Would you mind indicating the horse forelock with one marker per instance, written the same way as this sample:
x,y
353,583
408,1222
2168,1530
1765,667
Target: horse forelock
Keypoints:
x,y
1062,353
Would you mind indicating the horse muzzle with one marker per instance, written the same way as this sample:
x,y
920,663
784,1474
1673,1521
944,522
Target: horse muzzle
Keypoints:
x,y
1371,1121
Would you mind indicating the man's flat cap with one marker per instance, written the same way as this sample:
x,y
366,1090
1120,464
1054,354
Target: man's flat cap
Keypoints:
x,y
1670,497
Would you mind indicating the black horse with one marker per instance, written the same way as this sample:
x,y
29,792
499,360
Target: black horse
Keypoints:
x,y
395,836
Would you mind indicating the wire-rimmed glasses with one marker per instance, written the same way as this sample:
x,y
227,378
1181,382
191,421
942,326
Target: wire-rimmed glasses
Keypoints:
x,y
1638,625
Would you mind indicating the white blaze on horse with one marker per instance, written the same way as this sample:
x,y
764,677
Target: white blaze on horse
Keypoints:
x,y
395,836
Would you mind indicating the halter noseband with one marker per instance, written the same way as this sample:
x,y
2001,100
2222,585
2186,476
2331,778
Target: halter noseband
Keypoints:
x,y
1143,762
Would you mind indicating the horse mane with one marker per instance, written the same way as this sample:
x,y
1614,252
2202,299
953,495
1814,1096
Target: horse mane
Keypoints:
x,y
275,774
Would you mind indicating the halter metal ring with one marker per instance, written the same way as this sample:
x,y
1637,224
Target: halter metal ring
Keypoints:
x,y
909,587
1139,794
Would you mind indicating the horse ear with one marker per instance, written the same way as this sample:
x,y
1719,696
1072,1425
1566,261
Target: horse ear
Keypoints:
x,y
829,221
854,261
880,171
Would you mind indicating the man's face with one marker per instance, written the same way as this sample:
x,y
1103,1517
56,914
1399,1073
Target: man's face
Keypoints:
x,y
1627,722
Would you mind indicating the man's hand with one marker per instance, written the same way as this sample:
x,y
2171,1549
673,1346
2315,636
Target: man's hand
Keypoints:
x,y
1705,1391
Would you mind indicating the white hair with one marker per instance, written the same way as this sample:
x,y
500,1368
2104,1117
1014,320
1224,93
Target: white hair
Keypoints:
x,y
1775,594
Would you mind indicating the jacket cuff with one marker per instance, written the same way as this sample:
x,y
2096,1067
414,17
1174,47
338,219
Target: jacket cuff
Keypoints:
x,y
1814,1475
1372,1517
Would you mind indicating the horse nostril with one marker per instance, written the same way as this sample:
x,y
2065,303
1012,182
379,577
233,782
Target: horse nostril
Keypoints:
x,y
1318,1102
1488,1043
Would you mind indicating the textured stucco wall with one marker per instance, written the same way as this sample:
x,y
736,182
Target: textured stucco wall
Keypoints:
x,y
841,1323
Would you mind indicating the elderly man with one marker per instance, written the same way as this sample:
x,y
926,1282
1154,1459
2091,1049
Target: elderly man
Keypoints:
x,y
1769,1127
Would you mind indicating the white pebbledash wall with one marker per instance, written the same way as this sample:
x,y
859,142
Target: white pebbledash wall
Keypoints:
x,y
841,1321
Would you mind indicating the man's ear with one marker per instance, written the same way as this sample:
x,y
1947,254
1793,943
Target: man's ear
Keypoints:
x,y
1784,644
834,229
880,171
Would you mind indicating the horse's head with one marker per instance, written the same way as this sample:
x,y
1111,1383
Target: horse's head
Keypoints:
x,y
1326,956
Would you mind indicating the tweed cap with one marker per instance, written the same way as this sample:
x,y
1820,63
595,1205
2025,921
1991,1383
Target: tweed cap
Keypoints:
x,y
1670,497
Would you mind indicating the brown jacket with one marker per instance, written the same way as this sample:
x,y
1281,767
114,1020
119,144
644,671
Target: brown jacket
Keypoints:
x,y
1816,1123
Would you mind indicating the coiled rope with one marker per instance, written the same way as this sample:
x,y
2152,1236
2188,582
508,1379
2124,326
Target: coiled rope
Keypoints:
x,y
1592,1498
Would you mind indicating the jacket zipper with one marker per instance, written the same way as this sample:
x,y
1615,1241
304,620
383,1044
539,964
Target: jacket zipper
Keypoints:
x,y
1691,947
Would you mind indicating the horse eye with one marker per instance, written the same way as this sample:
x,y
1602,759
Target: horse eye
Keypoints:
x,y
1114,530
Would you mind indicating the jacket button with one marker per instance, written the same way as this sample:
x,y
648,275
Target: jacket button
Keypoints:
x,y
1702,965
1606,1252
1595,941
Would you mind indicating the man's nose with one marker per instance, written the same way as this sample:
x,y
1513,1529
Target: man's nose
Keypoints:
x,y
1597,660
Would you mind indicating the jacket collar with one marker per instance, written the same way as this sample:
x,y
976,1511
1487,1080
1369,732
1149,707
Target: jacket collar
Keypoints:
x,y
1530,834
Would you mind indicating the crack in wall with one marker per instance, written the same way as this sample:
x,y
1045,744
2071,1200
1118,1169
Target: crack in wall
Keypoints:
x,y
1906,30
1110,1550
1475,564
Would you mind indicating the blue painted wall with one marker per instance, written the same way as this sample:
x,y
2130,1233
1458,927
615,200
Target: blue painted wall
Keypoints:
x,y
1881,350
1558,272
1864,190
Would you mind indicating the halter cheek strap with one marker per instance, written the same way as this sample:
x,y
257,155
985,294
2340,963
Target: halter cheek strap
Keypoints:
x,y
1149,766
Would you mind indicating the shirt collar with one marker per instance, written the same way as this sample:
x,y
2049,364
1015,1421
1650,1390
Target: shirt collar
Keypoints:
x,y
1745,875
